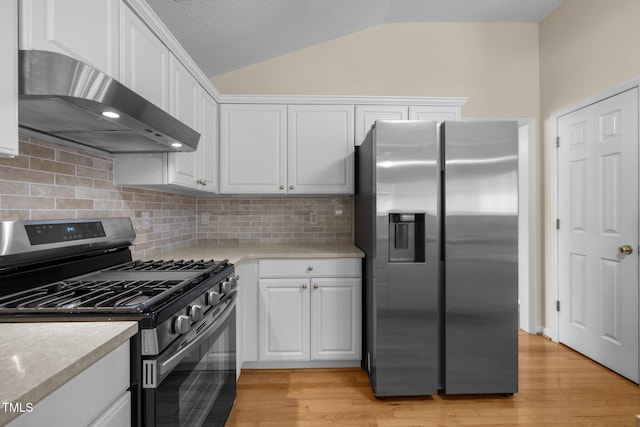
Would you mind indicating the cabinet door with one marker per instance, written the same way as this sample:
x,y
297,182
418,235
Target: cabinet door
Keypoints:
x,y
320,149
435,113
284,319
72,405
118,414
335,319
9,82
253,145
207,153
144,60
185,106
366,115
85,30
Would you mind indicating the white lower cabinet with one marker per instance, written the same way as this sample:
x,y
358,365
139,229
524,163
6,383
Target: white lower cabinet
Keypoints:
x,y
284,319
335,319
98,396
312,313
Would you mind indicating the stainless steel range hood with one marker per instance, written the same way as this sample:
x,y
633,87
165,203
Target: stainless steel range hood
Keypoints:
x,y
65,100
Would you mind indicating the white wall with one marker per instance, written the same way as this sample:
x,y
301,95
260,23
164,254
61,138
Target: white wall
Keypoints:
x,y
495,65
586,47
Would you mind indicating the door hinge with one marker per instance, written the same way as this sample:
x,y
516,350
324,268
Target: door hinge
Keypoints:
x,y
558,224
557,142
557,305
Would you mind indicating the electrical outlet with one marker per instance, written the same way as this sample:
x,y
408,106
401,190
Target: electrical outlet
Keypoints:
x,y
313,218
204,218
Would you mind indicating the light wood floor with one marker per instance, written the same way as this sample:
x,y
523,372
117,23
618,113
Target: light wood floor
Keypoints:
x,y
557,387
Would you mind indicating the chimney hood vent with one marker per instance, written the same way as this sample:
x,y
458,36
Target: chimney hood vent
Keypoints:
x,y
67,101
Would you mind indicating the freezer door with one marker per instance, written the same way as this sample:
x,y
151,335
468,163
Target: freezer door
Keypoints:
x,y
481,257
405,285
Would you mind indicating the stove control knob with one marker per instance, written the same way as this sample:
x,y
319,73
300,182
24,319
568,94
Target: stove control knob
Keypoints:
x,y
196,312
226,286
181,324
212,297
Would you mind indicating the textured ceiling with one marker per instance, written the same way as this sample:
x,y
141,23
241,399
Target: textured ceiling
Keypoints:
x,y
224,35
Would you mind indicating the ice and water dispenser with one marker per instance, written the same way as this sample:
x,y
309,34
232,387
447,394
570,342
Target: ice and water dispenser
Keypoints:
x,y
406,237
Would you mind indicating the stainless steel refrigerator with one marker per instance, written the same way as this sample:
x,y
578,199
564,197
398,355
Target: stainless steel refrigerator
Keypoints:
x,y
436,213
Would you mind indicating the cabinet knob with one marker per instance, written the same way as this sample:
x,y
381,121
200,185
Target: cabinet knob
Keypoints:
x,y
282,187
304,286
310,268
291,187
203,182
199,182
315,286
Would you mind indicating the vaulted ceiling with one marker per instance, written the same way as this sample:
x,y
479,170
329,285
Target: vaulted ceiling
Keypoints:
x,y
224,35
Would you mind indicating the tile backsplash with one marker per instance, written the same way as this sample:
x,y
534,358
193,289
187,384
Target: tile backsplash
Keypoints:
x,y
289,219
50,181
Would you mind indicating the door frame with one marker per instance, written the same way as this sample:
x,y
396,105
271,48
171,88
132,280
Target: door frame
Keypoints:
x,y
554,332
527,231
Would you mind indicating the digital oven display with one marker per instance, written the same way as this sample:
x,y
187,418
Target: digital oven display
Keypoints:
x,y
41,234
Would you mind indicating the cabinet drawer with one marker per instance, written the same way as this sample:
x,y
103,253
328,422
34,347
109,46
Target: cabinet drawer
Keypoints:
x,y
310,267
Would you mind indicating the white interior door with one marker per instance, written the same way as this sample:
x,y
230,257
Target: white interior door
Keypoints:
x,y
598,216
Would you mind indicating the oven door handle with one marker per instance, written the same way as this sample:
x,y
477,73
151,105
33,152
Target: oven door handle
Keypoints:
x,y
154,371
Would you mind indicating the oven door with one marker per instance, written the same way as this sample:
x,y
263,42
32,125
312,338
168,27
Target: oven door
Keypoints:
x,y
194,384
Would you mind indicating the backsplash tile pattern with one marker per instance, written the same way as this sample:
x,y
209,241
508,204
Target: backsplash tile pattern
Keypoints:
x,y
48,181
266,219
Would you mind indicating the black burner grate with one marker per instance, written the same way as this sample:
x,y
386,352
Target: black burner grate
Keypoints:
x,y
170,265
132,287
89,294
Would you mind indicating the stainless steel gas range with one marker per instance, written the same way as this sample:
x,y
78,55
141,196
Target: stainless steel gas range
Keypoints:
x,y
183,364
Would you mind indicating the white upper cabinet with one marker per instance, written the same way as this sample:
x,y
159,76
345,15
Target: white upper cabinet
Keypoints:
x,y
9,82
434,113
185,106
320,149
194,107
253,148
275,149
192,172
144,60
366,115
207,153
85,30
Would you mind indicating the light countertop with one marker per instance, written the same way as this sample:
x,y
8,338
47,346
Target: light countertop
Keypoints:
x,y
238,253
38,358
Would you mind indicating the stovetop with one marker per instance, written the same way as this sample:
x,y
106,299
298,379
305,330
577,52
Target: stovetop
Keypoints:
x,y
171,265
132,287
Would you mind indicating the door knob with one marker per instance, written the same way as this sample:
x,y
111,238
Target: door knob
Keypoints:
x,y
625,249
